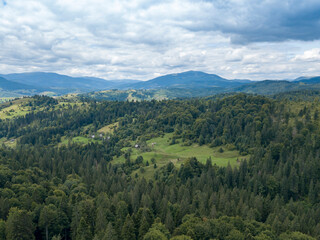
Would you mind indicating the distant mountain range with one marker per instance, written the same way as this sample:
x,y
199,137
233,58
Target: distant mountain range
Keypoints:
x,y
190,79
26,84
308,80
55,84
8,85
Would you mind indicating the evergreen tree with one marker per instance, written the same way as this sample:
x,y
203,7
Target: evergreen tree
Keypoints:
x,y
2,230
181,237
110,233
144,227
19,225
154,234
128,231
83,230
56,237
48,219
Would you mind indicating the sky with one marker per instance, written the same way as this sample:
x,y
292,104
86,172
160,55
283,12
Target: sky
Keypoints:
x,y
143,39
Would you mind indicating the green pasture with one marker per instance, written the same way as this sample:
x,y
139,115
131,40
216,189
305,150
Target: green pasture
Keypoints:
x,y
78,139
162,153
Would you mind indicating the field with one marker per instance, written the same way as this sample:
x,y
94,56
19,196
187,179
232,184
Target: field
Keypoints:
x,y
8,143
109,128
162,152
79,139
5,99
15,108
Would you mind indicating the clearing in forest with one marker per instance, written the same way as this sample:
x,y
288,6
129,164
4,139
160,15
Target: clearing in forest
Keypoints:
x,y
160,151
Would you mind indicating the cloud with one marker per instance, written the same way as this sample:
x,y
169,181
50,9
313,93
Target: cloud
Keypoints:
x,y
312,55
262,21
144,38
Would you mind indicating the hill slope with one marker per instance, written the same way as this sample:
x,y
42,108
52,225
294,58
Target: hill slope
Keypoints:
x,y
11,86
190,79
58,84
269,87
239,167
54,80
308,80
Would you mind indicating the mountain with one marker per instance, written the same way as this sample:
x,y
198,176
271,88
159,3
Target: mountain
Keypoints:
x,y
58,84
178,85
12,86
200,84
10,89
267,87
308,80
54,80
190,79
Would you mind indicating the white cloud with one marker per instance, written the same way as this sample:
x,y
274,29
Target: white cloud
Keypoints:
x,y
142,39
309,55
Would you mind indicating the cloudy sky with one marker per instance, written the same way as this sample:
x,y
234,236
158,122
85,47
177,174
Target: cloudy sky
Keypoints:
x,y
142,39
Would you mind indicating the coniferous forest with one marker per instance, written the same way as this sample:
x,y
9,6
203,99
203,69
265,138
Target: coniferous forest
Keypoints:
x,y
53,187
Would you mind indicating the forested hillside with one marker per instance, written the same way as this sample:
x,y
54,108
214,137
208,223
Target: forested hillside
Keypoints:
x,y
81,169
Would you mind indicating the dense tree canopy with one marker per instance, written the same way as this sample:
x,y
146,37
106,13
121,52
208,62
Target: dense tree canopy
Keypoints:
x,y
55,190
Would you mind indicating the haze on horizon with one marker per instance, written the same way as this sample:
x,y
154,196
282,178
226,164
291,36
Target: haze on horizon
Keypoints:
x,y
143,39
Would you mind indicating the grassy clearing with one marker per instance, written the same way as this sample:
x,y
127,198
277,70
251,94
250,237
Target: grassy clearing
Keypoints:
x,y
85,128
69,96
5,99
78,139
162,152
8,143
109,128
14,109
20,107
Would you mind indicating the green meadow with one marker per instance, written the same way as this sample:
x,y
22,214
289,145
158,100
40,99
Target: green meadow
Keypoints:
x,y
163,152
78,139
109,128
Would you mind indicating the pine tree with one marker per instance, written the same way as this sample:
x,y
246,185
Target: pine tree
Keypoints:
x,y
127,232
2,230
57,237
155,234
110,233
169,220
144,227
101,220
19,225
83,231
312,193
48,219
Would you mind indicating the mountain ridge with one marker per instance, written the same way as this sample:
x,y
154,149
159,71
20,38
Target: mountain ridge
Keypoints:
x,y
188,79
58,84
6,84
27,84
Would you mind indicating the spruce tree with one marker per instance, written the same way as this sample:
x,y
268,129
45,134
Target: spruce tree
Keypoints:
x,y
110,233
144,227
128,231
